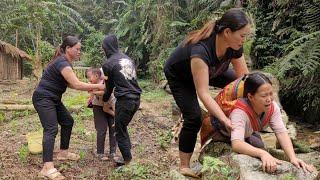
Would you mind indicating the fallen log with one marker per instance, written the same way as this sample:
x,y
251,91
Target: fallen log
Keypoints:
x,y
16,107
29,107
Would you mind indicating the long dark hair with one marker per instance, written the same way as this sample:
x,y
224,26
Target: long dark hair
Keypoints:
x,y
253,81
234,19
67,41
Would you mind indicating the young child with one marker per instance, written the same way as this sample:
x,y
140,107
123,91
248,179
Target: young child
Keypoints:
x,y
103,115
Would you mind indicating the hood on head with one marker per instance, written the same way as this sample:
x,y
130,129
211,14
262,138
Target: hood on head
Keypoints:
x,y
110,45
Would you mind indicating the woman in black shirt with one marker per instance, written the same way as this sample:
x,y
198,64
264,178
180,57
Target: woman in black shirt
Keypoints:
x,y
203,59
47,102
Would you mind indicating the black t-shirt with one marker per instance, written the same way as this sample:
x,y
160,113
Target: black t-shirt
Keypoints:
x,y
178,65
52,83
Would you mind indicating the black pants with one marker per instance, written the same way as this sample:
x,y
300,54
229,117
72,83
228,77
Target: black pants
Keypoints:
x,y
103,121
51,113
185,95
125,109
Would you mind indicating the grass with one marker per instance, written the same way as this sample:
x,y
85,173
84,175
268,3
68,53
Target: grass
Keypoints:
x,y
24,113
2,117
134,171
23,153
75,99
82,154
289,177
151,92
14,126
164,139
217,169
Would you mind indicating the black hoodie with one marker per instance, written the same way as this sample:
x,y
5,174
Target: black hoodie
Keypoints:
x,y
120,70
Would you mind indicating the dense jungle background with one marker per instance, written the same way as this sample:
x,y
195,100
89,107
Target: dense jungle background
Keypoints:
x,y
286,41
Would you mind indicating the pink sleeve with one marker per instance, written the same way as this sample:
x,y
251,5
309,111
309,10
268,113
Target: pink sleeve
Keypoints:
x,y
276,122
238,120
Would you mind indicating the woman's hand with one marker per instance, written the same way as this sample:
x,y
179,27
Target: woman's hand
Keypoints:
x,y
269,163
301,164
101,87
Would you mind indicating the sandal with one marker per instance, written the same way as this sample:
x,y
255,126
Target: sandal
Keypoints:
x,y
102,157
52,174
188,172
69,156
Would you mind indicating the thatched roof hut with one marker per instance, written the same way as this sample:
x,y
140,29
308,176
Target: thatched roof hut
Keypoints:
x,y
11,65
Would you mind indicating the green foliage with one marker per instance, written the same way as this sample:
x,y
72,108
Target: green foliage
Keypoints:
x,y
78,99
92,46
216,169
46,51
2,117
27,68
290,49
164,139
82,154
23,153
134,171
150,91
289,177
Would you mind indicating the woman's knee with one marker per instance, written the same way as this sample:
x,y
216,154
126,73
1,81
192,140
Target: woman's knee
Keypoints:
x,y
51,132
193,124
101,132
68,122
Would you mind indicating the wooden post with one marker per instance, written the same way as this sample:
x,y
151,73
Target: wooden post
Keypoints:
x,y
17,40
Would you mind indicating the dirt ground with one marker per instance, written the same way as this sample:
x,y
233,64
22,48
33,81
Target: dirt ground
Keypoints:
x,y
149,131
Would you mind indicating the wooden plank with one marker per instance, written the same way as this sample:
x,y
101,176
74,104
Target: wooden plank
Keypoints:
x,y
1,66
5,67
20,69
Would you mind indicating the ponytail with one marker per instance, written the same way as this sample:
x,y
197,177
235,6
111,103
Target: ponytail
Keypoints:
x,y
203,33
234,19
59,51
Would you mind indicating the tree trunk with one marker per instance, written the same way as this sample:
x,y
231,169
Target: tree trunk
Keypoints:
x,y
37,66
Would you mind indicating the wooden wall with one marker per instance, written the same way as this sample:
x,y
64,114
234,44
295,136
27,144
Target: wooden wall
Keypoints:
x,y
10,68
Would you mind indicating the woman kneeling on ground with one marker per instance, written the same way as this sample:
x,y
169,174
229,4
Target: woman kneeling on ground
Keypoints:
x,y
248,116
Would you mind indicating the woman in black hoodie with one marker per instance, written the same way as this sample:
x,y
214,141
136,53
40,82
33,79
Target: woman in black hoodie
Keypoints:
x,y
122,78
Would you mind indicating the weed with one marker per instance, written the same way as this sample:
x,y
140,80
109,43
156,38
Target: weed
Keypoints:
x,y
80,129
21,113
216,168
64,166
2,117
86,113
140,148
92,137
131,131
82,154
134,171
14,126
288,177
23,153
164,139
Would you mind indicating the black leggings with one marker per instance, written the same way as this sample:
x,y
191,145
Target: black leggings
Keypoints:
x,y
103,121
51,113
185,95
